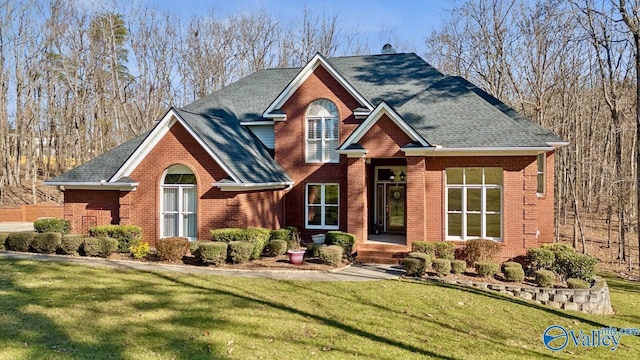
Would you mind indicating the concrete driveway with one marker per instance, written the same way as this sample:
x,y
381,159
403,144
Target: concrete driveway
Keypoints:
x,y
16,226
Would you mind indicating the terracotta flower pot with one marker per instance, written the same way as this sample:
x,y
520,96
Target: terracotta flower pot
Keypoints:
x,y
296,256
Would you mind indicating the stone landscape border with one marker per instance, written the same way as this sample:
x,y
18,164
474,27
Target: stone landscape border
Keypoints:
x,y
595,300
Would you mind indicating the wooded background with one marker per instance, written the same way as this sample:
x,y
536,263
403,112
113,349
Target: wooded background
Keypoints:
x,y
75,82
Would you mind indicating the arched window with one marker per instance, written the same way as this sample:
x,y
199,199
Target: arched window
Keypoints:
x,y
179,203
323,133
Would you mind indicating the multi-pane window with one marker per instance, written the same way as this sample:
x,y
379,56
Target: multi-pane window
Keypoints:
x,y
541,165
322,206
179,203
322,136
474,203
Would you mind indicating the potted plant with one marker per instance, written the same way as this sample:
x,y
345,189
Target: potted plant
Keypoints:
x,y
296,254
318,239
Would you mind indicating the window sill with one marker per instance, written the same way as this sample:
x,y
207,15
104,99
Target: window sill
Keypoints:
x,y
320,227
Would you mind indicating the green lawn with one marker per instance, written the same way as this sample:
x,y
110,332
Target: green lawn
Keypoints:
x,y
60,311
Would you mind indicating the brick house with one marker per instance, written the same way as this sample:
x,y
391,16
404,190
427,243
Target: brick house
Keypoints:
x,y
381,146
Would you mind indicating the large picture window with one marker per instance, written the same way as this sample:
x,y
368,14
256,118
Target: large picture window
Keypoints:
x,y
179,203
322,206
474,203
322,135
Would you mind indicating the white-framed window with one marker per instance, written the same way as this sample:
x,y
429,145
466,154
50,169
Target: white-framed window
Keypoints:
x,y
541,162
178,203
322,132
322,208
473,203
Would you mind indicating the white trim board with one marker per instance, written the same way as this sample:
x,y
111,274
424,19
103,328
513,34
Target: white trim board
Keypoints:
x,y
307,70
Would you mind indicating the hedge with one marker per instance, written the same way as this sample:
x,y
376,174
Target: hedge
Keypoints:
x,y
239,251
3,238
574,265
545,278
46,243
441,266
211,252
127,235
259,237
458,266
481,250
331,255
99,246
313,250
413,266
541,258
276,247
19,241
445,250
426,247
71,244
486,268
427,258
172,248
342,239
280,234
52,225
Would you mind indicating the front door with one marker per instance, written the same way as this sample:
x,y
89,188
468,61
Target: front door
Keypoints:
x,y
396,208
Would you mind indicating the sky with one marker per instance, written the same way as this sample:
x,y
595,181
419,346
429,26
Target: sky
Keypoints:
x,y
410,21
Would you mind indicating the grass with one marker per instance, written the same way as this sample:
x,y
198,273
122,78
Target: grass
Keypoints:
x,y
63,311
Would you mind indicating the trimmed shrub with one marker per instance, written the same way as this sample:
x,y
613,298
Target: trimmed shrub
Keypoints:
x,y
140,251
558,248
331,255
441,266
313,250
486,268
424,256
280,234
513,273
127,235
172,248
211,252
342,239
545,278
3,238
574,265
239,251
193,246
414,266
99,246
541,258
577,284
276,247
427,247
458,266
445,250
293,241
507,264
481,250
52,225
259,237
46,243
19,241
71,244
228,235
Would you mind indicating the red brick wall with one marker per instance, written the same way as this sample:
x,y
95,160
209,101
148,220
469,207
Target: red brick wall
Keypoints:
x,y
216,209
384,139
32,212
520,213
290,145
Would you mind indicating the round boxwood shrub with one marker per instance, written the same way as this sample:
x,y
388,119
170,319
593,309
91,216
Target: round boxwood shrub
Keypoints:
x,y
574,265
413,266
545,278
99,246
172,248
280,234
427,247
71,244
541,258
511,264
239,251
276,247
126,235
441,266
428,258
331,255
19,241
458,266
342,239
577,284
513,273
445,250
211,252
313,250
52,225
46,243
479,250
486,268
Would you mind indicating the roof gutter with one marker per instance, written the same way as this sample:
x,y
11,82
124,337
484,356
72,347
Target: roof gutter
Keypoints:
x,y
475,151
94,185
231,186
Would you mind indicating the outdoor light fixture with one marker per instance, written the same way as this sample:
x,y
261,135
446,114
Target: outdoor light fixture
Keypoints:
x,y
402,176
391,177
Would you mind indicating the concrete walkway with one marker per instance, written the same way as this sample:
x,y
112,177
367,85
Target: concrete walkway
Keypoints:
x,y
364,272
16,226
